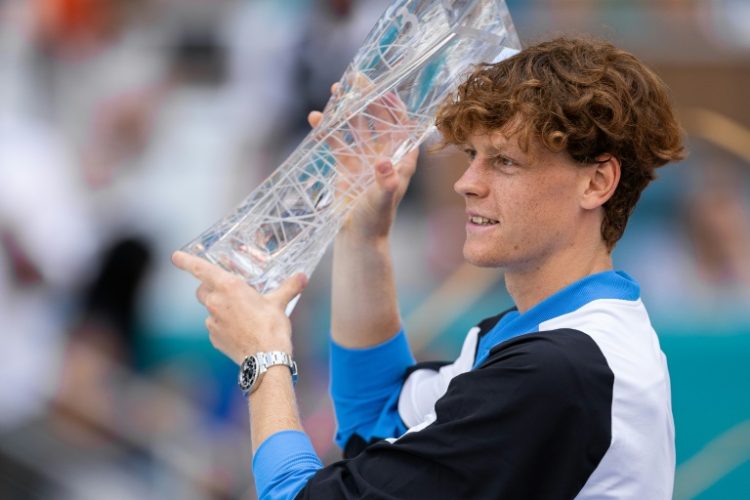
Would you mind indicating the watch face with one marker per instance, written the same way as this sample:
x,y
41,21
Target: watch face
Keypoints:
x,y
248,373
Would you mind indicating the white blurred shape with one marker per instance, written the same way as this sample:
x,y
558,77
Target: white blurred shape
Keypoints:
x,y
41,208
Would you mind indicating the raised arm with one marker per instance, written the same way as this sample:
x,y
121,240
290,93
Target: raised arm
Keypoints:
x,y
369,354
365,309
364,303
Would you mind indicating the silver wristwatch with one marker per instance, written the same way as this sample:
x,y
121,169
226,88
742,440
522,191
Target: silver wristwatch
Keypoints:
x,y
253,368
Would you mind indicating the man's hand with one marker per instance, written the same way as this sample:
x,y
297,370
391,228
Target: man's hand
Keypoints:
x,y
373,214
241,321
364,306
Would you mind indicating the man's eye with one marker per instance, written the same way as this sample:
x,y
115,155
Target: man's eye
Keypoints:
x,y
470,153
504,161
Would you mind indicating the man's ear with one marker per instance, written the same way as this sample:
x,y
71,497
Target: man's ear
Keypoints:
x,y
601,181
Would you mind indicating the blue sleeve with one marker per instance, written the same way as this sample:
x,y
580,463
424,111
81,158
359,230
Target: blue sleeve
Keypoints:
x,y
365,386
283,464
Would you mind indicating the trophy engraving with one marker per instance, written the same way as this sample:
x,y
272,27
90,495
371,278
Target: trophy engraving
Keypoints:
x,y
415,56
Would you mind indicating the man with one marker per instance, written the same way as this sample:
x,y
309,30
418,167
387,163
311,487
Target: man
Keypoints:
x,y
567,394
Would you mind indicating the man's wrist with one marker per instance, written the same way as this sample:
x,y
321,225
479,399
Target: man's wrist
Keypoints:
x,y
272,345
281,374
275,378
273,339
358,241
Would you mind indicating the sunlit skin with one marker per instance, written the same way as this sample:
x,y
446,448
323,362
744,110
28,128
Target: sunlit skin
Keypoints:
x,y
545,212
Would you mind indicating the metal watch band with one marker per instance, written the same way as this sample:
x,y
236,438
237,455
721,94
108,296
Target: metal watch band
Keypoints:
x,y
253,368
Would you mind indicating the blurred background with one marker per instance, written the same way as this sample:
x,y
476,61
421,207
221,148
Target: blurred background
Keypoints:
x,y
129,126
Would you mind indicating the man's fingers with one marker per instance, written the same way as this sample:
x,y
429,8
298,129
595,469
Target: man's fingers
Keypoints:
x,y
190,263
314,118
198,267
397,107
288,290
360,129
202,293
382,122
386,177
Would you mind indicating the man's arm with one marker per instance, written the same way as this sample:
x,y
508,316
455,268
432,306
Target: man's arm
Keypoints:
x,y
243,322
283,456
273,406
369,352
364,305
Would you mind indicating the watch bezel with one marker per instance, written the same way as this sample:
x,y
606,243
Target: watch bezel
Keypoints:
x,y
249,373
253,367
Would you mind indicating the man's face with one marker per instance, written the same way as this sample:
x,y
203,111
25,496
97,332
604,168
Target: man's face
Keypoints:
x,y
522,207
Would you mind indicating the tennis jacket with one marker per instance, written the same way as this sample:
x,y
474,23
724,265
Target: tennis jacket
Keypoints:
x,y
570,399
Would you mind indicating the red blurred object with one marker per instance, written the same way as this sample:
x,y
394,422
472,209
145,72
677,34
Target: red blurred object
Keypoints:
x,y
77,23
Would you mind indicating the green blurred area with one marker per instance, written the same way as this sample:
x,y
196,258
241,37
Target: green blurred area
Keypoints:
x,y
709,374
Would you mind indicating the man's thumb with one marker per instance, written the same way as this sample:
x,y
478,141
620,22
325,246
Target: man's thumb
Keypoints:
x,y
289,289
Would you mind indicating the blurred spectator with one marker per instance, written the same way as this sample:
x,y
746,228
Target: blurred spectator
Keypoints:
x,y
718,226
45,246
321,60
260,85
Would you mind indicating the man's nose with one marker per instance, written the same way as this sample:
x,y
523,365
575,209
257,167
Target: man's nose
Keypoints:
x,y
472,182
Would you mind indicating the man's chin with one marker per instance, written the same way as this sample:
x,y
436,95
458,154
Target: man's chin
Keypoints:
x,y
482,259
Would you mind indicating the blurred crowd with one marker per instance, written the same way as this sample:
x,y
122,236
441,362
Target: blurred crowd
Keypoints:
x,y
127,127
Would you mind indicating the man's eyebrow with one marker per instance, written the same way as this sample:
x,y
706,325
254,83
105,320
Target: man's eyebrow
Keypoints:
x,y
509,150
490,148
503,149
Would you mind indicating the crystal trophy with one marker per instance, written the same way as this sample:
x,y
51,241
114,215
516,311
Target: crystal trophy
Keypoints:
x,y
416,55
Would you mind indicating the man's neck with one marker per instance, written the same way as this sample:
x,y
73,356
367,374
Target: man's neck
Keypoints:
x,y
534,283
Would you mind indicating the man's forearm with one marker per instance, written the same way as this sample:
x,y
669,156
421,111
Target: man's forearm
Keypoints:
x,y
364,303
273,406
283,456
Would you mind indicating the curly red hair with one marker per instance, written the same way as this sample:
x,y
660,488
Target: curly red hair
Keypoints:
x,y
583,96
